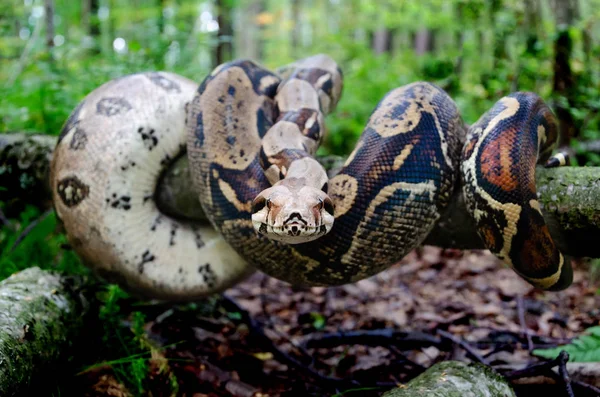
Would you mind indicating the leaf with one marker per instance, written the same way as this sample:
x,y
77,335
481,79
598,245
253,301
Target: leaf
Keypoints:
x,y
585,348
318,320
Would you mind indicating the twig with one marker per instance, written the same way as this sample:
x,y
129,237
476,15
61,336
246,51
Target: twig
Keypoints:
x,y
278,354
470,351
533,370
210,373
29,228
563,358
586,386
417,368
545,367
378,337
4,220
524,330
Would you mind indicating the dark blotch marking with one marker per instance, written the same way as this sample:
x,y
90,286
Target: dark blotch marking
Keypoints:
x,y
156,222
300,118
199,131
264,121
150,140
256,74
230,140
284,158
79,139
72,191
121,203
71,122
126,166
146,257
312,75
231,90
112,106
198,239
208,275
173,233
163,82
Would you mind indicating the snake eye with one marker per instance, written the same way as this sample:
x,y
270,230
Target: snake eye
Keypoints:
x,y
328,205
258,204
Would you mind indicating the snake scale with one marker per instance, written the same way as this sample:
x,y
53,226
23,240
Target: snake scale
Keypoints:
x,y
251,135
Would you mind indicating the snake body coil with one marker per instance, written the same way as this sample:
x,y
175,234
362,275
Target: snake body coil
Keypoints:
x,y
250,137
393,187
104,172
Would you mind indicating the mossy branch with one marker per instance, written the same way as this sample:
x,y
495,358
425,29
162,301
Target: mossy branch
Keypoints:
x,y
455,379
569,196
43,315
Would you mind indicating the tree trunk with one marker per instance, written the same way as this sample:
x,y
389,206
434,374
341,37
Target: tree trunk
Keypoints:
x,y
249,35
500,54
90,22
161,16
424,41
43,315
49,15
568,196
455,379
563,84
224,50
382,41
295,31
459,40
24,170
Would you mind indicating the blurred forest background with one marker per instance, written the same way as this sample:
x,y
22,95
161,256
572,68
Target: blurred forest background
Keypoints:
x,y
54,52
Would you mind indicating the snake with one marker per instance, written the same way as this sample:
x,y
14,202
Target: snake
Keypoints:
x,y
250,135
110,156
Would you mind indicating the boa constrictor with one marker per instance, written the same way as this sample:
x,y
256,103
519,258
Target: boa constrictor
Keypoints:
x,y
250,144
250,140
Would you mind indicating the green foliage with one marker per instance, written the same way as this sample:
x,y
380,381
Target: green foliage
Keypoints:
x,y
585,348
481,50
125,342
318,320
34,240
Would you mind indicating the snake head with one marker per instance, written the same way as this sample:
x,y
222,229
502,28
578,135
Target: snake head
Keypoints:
x,y
292,213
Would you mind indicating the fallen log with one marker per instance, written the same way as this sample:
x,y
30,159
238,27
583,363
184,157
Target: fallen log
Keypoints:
x,y
568,196
24,170
455,378
43,315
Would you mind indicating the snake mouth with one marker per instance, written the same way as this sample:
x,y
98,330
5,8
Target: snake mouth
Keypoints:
x,y
292,232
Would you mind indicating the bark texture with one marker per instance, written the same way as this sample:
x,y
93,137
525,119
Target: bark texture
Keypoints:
x,y
569,196
455,379
42,316
24,170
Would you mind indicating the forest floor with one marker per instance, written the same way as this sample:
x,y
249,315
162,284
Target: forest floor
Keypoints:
x,y
268,339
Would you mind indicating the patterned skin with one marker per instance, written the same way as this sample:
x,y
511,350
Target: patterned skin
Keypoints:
x,y
500,157
250,138
392,189
104,171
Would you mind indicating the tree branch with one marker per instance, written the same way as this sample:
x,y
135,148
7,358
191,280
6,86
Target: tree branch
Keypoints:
x,y
42,316
568,196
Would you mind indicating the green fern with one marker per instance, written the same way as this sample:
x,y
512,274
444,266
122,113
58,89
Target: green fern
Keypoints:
x,y
585,348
